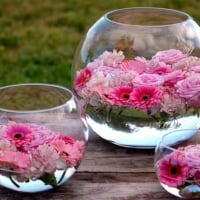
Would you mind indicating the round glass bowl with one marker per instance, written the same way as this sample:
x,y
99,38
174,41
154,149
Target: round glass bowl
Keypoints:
x,y
132,72
177,163
42,136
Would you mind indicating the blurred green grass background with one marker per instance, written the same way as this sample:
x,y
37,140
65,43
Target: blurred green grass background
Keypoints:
x,y
38,38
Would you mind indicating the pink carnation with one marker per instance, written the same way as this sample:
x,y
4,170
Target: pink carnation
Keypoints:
x,y
44,158
172,102
110,59
14,160
72,153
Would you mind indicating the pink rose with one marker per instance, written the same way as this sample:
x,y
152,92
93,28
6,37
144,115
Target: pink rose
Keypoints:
x,y
189,89
171,78
187,63
133,65
169,56
148,79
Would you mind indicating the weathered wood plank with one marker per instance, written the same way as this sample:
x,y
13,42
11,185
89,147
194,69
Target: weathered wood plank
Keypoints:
x,y
97,186
102,156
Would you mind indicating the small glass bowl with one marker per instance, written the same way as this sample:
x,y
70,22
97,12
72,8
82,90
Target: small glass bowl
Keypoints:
x,y
42,136
177,163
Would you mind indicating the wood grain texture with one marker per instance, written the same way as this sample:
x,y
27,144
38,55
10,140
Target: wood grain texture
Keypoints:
x,y
107,172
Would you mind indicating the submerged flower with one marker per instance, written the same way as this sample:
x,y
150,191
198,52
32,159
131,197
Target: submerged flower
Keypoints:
x,y
30,151
42,135
173,169
145,97
19,134
6,145
71,152
192,155
45,158
14,160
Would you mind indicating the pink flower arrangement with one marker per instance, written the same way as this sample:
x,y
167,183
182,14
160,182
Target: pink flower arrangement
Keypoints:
x,y
31,151
181,169
168,83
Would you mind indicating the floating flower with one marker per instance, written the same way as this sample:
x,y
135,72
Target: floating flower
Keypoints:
x,y
31,151
148,79
83,78
133,65
44,159
179,170
145,97
144,84
71,152
14,160
189,88
42,135
173,169
169,56
120,95
19,134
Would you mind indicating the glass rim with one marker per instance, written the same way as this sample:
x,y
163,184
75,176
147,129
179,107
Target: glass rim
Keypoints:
x,y
179,13
170,146
66,90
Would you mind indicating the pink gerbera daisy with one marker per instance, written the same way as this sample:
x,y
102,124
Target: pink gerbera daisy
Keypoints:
x,y
83,77
120,95
173,169
145,97
18,134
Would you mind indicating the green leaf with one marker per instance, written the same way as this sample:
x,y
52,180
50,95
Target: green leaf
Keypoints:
x,y
49,179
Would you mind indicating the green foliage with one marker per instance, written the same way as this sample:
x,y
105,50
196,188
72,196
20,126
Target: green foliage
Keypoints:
x,y
38,39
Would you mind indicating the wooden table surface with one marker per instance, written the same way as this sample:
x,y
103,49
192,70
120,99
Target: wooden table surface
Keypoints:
x,y
107,172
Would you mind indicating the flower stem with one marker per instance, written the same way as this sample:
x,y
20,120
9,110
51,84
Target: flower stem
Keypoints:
x,y
108,117
11,179
61,178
